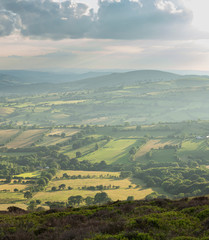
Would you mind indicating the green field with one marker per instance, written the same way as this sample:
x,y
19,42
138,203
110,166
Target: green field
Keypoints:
x,y
115,151
29,174
196,149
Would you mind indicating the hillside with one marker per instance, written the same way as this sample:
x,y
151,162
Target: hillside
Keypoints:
x,y
35,82
159,219
126,79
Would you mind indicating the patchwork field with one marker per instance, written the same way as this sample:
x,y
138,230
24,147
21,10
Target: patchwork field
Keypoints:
x,y
4,111
114,151
11,197
152,144
57,136
85,150
29,174
6,135
126,188
26,138
11,187
194,149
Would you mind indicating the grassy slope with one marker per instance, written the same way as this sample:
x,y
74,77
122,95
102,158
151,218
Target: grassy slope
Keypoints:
x,y
115,151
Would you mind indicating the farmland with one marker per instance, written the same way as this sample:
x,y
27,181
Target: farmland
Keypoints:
x,y
25,139
145,161
114,151
7,135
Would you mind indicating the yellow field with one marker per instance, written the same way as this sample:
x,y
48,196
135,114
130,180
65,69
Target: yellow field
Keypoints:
x,y
7,134
7,197
26,138
67,131
47,141
11,187
115,194
5,111
50,103
3,207
152,144
30,174
85,173
76,183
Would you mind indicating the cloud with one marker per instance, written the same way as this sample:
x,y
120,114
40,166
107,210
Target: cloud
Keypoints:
x,y
9,21
146,19
115,19
47,19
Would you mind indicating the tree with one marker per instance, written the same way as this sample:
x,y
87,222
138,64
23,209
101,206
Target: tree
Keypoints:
x,y
78,154
38,201
8,179
101,198
63,135
73,200
130,198
32,205
132,151
96,147
16,190
62,187
41,181
65,175
138,128
125,174
27,195
53,189
49,176
89,200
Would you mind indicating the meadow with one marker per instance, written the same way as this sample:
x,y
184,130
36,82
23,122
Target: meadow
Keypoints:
x,y
104,153
26,138
115,151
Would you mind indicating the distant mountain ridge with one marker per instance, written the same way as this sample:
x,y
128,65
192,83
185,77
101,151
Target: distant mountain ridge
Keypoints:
x,y
24,76
133,77
15,81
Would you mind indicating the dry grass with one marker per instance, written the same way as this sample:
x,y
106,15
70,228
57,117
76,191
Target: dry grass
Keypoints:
x,y
76,183
5,135
4,111
3,207
114,194
122,193
85,173
26,138
67,131
152,144
11,187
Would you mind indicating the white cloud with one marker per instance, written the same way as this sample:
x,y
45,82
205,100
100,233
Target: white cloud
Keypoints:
x,y
115,19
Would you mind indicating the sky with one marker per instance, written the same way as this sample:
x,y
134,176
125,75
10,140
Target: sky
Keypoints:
x,y
104,34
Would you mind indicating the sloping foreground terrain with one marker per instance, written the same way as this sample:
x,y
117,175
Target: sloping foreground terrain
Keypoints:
x,y
159,219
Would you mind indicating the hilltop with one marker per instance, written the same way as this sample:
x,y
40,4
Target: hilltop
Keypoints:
x,y
34,81
159,219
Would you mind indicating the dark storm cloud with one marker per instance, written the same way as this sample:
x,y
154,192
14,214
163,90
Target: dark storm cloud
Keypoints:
x,y
126,19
